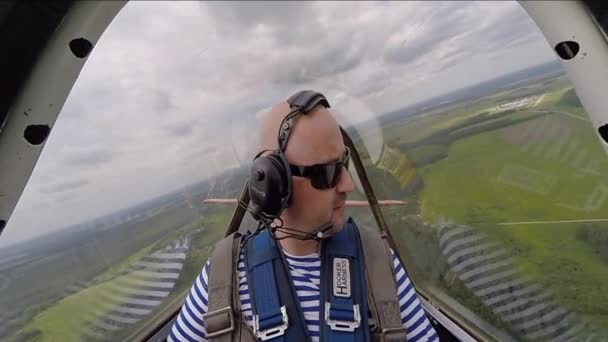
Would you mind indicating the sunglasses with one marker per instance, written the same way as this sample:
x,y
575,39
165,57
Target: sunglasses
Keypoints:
x,y
323,176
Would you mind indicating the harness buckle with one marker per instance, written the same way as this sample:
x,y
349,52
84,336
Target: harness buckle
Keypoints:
x,y
227,311
272,332
343,325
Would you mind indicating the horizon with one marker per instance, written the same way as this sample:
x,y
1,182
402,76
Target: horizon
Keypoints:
x,y
186,94
201,182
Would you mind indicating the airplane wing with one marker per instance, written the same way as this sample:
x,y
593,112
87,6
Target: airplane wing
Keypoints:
x,y
349,203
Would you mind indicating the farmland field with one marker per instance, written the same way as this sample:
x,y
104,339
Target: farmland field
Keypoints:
x,y
524,174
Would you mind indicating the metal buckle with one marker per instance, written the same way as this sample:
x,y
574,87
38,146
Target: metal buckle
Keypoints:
x,y
227,310
271,332
343,325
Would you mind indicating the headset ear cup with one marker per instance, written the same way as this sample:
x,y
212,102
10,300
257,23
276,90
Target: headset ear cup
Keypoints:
x,y
268,187
288,181
284,189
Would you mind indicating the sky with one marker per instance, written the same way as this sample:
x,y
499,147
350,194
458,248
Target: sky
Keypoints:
x,y
173,91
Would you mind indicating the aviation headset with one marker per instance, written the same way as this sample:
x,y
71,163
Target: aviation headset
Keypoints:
x,y
270,182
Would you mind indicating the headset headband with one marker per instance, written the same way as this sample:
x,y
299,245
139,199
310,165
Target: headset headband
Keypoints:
x,y
301,102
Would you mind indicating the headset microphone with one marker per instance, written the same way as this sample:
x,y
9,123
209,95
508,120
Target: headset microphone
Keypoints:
x,y
317,234
322,229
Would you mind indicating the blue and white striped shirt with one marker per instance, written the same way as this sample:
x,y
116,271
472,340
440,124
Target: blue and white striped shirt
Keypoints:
x,y
305,272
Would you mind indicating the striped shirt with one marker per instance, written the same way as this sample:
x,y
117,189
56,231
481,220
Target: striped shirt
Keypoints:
x,y
305,272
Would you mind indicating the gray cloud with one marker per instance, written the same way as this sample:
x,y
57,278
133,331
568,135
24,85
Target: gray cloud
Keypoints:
x,y
448,20
284,19
90,158
250,13
181,129
66,186
169,95
519,25
323,61
453,59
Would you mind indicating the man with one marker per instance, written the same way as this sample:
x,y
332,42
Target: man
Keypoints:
x,y
315,139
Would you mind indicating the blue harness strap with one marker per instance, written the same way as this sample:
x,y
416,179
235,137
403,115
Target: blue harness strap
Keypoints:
x,y
277,316
344,308
277,313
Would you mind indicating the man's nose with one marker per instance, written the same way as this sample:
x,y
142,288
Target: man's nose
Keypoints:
x,y
346,183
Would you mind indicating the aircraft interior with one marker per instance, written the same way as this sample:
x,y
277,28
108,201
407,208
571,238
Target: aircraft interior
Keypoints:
x,y
478,134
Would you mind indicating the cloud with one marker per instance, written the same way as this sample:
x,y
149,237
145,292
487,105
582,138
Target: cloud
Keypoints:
x,y
66,186
417,41
181,129
172,92
89,158
299,16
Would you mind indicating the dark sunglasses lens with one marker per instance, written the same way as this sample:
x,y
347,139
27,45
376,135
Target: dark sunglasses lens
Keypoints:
x,y
325,177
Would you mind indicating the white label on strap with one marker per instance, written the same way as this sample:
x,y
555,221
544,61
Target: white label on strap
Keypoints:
x,y
341,277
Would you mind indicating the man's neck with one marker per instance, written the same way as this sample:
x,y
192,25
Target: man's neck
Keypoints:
x,y
299,247
295,246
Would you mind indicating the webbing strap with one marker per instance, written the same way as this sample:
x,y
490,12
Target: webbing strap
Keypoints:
x,y
270,318
343,289
277,315
220,321
383,300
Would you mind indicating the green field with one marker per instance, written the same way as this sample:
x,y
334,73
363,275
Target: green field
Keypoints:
x,y
541,162
467,187
67,319
215,224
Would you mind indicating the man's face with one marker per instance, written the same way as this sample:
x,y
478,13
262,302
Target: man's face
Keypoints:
x,y
316,139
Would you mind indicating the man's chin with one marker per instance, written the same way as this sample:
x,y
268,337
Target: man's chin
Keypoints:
x,y
338,224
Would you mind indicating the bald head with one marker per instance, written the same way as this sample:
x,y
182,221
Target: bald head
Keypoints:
x,y
315,139
314,136
270,125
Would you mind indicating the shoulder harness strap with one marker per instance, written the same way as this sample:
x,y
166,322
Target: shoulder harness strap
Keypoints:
x,y
383,300
224,324
344,304
223,320
277,315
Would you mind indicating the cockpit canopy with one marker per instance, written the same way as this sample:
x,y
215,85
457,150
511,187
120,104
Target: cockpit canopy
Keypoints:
x,y
464,117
